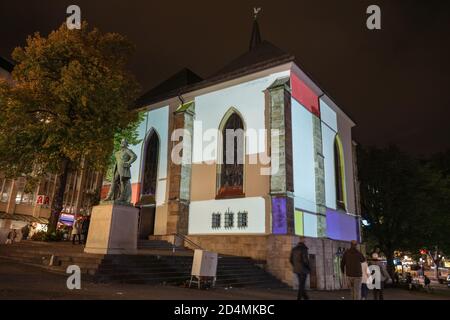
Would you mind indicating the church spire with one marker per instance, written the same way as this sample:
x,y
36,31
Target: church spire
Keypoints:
x,y
256,36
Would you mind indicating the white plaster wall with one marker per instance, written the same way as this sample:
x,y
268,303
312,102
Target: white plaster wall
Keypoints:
x,y
327,115
247,98
303,158
200,215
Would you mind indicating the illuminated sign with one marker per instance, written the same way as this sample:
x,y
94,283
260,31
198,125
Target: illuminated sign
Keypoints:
x,y
43,200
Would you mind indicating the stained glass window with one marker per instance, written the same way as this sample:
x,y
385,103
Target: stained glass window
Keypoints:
x,y
232,167
151,165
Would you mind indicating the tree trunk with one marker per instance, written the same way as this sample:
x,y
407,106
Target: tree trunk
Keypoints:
x,y
57,203
390,263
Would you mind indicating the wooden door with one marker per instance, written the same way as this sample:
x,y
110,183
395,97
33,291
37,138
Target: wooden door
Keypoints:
x,y
313,274
146,222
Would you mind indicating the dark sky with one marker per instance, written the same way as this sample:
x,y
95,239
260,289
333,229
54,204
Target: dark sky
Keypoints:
x,y
393,83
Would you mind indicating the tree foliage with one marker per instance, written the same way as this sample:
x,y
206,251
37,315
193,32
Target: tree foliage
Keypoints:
x,y
405,201
71,94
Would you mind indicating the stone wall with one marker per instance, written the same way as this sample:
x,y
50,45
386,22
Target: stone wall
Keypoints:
x,y
275,250
328,275
253,246
180,175
320,177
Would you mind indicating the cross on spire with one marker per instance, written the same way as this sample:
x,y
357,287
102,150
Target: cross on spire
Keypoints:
x,y
255,38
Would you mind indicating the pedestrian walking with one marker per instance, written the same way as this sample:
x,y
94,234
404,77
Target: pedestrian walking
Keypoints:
x,y
85,228
300,264
364,279
76,231
384,277
396,279
409,280
427,282
11,236
25,231
351,267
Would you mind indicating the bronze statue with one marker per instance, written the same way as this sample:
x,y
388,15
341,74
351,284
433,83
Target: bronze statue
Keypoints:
x,y
121,187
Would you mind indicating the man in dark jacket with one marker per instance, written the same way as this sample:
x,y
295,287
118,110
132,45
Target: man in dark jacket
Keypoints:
x,y
300,263
351,267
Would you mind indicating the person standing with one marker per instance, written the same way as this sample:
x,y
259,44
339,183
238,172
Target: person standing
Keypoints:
x,y
384,277
364,279
426,282
300,263
11,237
25,231
76,231
85,228
351,267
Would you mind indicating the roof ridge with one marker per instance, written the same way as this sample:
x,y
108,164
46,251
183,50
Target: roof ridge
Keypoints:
x,y
6,64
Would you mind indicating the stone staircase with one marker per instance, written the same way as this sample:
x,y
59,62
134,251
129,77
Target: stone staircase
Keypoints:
x,y
155,263
156,245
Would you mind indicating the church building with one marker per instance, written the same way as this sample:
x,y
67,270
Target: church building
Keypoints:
x,y
291,171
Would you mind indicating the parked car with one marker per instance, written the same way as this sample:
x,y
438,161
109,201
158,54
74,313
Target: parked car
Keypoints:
x,y
448,281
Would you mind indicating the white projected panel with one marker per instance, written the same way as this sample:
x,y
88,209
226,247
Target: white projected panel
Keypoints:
x,y
200,215
303,157
247,98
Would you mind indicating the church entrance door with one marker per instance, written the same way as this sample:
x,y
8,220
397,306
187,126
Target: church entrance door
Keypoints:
x,y
146,221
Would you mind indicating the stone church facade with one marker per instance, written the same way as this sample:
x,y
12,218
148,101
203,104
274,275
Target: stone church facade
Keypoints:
x,y
297,176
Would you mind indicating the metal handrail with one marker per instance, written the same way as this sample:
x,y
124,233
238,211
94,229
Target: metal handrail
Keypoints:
x,y
186,239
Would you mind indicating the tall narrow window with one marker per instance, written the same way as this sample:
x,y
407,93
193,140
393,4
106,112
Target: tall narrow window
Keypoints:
x,y
151,165
339,169
231,170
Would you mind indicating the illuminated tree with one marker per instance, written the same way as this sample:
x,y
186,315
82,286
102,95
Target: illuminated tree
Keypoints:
x,y
71,95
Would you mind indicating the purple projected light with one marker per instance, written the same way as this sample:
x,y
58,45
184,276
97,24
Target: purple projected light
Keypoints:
x,y
341,226
279,223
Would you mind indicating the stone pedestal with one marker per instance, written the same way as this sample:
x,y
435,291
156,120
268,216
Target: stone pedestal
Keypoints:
x,y
113,229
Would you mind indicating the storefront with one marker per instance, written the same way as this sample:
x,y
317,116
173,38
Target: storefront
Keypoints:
x,y
18,221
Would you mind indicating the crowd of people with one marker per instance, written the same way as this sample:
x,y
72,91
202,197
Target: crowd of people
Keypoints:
x,y
78,231
359,271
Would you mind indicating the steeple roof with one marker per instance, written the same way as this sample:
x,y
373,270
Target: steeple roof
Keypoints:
x,y
255,38
261,55
264,53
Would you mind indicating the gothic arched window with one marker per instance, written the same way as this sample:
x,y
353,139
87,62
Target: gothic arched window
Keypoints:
x,y
339,174
150,165
231,170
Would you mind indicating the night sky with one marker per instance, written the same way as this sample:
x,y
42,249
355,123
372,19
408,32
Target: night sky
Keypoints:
x,y
394,82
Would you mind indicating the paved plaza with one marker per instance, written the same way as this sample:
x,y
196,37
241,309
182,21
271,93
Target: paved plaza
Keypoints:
x,y
19,281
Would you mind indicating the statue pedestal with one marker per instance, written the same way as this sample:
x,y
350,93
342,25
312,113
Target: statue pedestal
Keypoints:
x,y
113,229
